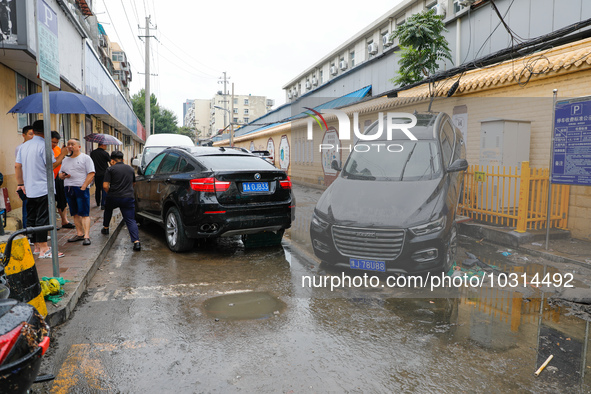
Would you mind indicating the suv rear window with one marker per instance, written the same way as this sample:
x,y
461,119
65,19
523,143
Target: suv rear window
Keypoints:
x,y
233,162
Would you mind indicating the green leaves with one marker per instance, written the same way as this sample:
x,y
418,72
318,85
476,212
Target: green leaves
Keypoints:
x,y
422,46
165,121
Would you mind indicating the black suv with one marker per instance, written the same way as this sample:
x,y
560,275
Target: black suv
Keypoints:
x,y
206,192
393,209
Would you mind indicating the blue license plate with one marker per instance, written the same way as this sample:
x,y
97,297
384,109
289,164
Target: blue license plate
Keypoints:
x,y
368,265
255,187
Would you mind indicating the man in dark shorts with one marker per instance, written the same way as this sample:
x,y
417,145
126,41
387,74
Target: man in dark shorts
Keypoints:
x,y
118,183
101,160
60,194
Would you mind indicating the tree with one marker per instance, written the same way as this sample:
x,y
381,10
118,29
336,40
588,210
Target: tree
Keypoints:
x,y
184,130
422,46
165,121
138,102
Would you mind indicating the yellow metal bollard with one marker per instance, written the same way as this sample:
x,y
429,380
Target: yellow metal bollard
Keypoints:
x,y
523,207
22,275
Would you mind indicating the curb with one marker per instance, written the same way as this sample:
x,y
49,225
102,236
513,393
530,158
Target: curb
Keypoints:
x,y
63,312
553,257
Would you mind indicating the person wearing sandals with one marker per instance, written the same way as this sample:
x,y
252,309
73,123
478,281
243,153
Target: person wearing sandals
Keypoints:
x,y
31,177
118,183
78,172
60,193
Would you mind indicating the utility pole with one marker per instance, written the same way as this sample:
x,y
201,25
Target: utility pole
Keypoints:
x,y
231,120
225,94
147,88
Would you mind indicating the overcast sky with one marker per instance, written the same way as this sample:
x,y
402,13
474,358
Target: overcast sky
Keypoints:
x,y
261,44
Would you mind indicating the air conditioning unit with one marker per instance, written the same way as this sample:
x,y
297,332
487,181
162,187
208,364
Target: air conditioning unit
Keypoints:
x,y
289,95
314,81
441,8
308,85
295,93
333,70
372,48
386,40
343,65
467,3
270,102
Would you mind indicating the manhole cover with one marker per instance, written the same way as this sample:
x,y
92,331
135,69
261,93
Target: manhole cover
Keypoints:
x,y
244,306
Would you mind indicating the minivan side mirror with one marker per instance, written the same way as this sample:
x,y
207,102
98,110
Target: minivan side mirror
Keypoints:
x,y
335,165
458,165
135,162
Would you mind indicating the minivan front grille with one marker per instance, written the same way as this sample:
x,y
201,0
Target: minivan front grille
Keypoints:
x,y
368,243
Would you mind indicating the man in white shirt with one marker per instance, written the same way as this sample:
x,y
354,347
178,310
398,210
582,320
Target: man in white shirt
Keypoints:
x,y
78,172
31,176
27,136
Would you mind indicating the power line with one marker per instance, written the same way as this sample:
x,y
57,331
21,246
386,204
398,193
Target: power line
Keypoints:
x,y
155,13
185,54
185,70
112,23
134,8
131,30
206,75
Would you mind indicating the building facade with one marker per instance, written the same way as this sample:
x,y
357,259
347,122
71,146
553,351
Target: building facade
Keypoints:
x,y
83,69
121,69
212,117
506,66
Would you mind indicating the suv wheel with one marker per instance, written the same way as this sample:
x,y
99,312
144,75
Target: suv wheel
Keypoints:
x,y
176,238
452,247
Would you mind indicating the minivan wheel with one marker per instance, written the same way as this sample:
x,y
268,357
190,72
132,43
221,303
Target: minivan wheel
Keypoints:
x,y
176,239
452,247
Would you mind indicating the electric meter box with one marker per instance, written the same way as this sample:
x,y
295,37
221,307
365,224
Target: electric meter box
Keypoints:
x,y
504,142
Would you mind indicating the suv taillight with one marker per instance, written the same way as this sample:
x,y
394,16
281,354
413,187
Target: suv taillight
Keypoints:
x,y
209,185
286,184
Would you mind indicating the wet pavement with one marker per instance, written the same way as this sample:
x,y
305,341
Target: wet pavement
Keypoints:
x,y
225,319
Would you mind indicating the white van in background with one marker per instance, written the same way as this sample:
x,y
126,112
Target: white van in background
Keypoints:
x,y
156,143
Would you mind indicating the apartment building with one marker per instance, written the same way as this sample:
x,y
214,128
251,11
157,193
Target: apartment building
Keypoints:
x,y
121,69
214,116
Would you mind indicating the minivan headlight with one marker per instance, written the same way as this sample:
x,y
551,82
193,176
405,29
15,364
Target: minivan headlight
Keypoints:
x,y
431,227
319,224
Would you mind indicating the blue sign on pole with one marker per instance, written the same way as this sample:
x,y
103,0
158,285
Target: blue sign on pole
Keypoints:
x,y
48,51
572,142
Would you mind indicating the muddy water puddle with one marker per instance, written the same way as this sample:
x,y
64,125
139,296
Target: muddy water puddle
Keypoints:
x,y
244,306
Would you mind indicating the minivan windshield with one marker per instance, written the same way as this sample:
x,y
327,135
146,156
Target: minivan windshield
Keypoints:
x,y
150,153
417,160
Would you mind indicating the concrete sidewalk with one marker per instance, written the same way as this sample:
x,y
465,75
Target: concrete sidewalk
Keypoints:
x,y
79,263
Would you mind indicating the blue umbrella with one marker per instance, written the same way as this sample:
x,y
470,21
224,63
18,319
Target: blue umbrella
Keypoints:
x,y
60,102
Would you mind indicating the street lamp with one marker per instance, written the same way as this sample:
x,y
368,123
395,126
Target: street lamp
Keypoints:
x,y
231,123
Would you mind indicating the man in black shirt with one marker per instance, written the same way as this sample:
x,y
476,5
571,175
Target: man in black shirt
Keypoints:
x,y
101,161
118,183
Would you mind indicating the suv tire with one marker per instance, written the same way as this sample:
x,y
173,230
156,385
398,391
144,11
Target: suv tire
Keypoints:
x,y
176,239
